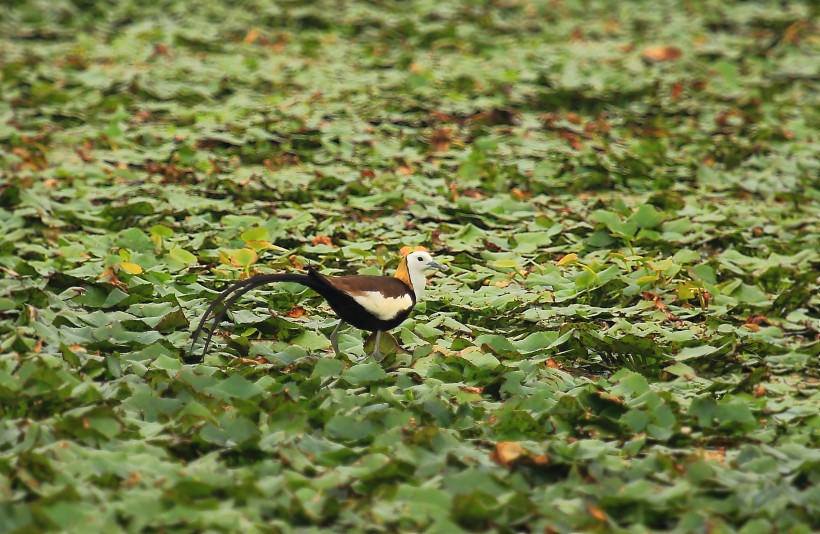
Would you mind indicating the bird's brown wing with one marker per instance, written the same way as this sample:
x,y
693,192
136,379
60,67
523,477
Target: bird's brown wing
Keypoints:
x,y
388,286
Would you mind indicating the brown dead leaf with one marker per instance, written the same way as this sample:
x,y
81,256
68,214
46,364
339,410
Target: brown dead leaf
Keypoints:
x,y
520,195
280,42
612,25
655,298
161,50
661,53
109,275
599,125
596,512
252,36
756,319
792,35
729,117
507,452
322,240
254,361
296,312
133,480
142,116
84,155
677,90
404,170
440,139
438,116
540,459
574,118
296,262
472,389
573,139
32,159
717,455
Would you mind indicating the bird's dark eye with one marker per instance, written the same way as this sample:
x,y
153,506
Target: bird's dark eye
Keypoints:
x,y
421,259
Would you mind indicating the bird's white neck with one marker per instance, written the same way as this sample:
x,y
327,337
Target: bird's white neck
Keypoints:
x,y
412,276
417,282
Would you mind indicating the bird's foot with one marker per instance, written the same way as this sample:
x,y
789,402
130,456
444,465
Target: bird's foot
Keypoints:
x,y
377,354
334,339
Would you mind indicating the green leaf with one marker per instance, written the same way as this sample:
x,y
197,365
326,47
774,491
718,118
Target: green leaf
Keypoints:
x,y
348,428
244,257
482,360
237,386
161,231
260,233
182,256
114,297
735,414
647,217
135,239
363,374
326,367
698,351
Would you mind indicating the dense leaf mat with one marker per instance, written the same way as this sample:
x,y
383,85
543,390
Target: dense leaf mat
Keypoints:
x,y
626,192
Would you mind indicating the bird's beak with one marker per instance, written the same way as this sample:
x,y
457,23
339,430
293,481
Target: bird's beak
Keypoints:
x,y
436,265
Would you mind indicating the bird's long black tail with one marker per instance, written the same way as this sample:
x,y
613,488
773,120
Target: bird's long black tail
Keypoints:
x,y
238,289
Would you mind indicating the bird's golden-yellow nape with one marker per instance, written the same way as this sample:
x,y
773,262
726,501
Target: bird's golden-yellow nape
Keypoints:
x,y
402,271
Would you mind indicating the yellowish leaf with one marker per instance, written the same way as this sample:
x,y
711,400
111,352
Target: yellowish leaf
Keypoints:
x,y
566,260
661,265
243,257
648,279
505,264
130,267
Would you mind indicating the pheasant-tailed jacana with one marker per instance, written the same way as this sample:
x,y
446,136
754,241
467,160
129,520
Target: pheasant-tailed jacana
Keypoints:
x,y
373,303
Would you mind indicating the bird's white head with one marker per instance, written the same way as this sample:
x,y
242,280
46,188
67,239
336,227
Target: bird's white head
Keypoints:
x,y
411,270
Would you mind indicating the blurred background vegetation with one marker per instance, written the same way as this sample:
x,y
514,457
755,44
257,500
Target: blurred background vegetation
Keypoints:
x,y
627,193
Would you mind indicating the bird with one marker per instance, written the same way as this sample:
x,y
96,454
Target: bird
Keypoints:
x,y
372,303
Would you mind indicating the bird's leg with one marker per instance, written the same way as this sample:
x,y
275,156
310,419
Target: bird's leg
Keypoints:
x,y
376,352
334,338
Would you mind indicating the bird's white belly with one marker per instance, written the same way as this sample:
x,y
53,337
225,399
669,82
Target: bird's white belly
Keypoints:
x,y
383,307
